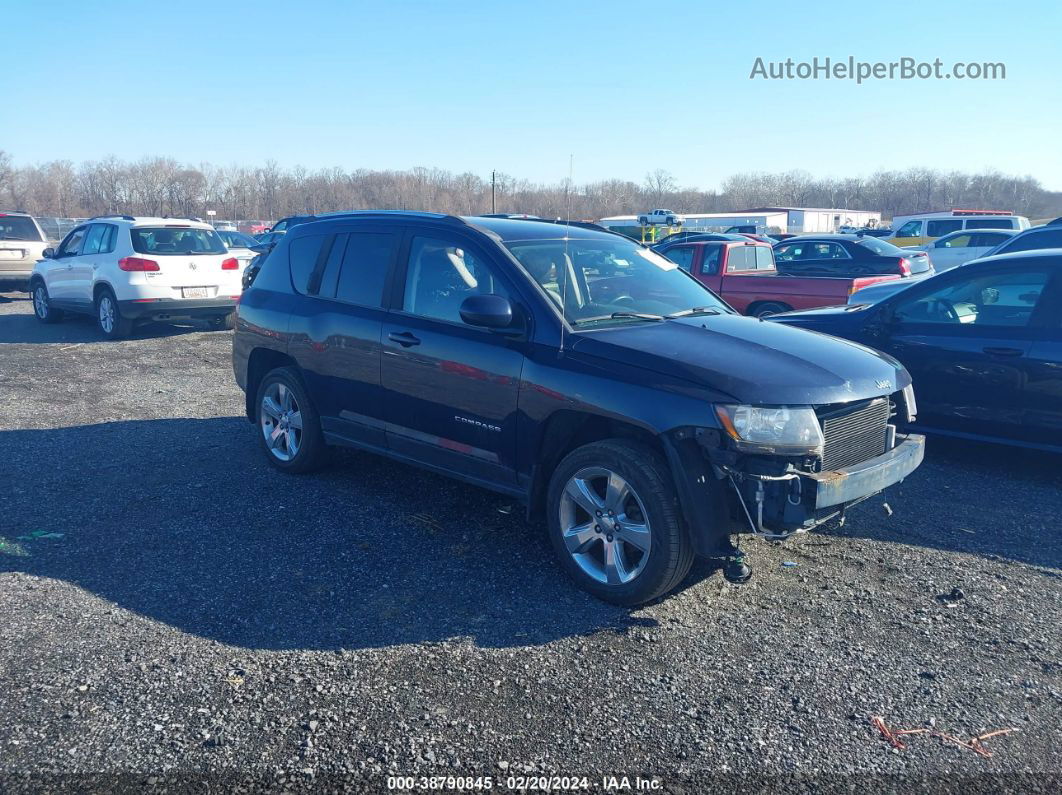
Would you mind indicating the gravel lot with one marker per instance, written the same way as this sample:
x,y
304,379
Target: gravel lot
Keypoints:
x,y
202,615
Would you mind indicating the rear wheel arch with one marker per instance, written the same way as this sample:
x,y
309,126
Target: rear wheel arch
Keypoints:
x,y
259,364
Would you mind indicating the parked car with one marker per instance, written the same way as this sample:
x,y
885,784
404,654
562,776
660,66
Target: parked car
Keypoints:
x,y
22,243
660,218
848,255
639,414
1047,235
125,270
955,248
921,228
239,245
983,343
743,273
685,237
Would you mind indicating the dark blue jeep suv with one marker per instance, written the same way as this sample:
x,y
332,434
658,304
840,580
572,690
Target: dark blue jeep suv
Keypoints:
x,y
571,368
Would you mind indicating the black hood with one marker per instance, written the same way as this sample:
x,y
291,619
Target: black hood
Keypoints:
x,y
753,361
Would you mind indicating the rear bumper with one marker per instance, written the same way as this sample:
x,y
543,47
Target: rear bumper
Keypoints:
x,y
16,278
166,308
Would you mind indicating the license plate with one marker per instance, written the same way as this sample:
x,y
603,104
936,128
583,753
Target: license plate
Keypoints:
x,y
194,292
11,253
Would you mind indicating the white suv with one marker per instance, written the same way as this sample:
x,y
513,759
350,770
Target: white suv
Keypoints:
x,y
124,269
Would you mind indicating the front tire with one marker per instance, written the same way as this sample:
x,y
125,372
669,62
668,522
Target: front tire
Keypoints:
x,y
42,304
615,522
289,428
109,317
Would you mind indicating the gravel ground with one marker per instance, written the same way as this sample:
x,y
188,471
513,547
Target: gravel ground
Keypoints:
x,y
200,617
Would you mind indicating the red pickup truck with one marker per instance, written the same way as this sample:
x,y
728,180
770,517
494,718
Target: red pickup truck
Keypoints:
x,y
743,274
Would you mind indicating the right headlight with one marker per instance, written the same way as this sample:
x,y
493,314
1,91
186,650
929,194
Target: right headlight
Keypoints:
x,y
772,430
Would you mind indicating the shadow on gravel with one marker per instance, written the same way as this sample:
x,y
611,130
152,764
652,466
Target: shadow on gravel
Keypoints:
x,y
26,329
983,499
182,521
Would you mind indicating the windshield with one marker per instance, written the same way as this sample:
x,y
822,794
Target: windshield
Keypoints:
x,y
172,240
236,239
597,282
18,227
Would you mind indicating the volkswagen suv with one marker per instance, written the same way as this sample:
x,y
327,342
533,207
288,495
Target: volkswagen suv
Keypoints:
x,y
125,270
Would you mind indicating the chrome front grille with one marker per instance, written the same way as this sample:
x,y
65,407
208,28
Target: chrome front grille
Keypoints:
x,y
853,433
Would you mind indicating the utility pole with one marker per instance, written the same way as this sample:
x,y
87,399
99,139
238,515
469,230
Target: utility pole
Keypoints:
x,y
493,202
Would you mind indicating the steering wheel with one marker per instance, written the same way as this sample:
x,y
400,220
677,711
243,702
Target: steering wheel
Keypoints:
x,y
948,308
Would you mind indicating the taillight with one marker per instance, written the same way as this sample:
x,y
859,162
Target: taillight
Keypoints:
x,y
905,266
137,264
231,264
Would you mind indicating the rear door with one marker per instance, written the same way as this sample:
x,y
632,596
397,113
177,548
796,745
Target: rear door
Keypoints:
x,y
336,322
99,241
966,338
450,390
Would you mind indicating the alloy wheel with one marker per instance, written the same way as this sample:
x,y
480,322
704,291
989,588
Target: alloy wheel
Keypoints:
x,y
107,314
40,302
604,526
281,421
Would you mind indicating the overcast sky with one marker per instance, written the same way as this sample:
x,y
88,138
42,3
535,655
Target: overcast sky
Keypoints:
x,y
519,86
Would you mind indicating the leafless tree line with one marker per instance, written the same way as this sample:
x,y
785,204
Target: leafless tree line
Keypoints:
x,y
163,186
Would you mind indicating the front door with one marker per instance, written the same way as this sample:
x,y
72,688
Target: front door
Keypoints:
x,y
450,389
60,274
966,339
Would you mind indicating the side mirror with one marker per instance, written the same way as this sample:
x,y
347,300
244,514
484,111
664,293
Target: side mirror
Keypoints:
x,y
487,311
48,253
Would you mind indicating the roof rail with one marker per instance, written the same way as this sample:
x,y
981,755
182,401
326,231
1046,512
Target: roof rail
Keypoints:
x,y
111,215
581,224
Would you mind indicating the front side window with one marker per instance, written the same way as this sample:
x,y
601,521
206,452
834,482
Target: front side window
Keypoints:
x,y
19,227
942,227
957,241
1006,298
441,275
72,245
175,240
910,229
599,281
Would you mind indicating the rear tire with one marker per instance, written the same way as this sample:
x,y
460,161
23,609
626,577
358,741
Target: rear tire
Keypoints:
x,y
222,322
289,427
42,304
769,308
109,317
625,550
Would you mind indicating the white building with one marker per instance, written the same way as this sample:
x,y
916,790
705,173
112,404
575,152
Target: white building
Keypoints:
x,y
794,220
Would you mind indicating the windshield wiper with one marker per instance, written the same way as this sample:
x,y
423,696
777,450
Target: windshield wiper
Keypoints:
x,y
697,310
618,316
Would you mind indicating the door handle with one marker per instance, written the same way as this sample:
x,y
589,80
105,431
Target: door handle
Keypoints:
x,y
403,338
1007,352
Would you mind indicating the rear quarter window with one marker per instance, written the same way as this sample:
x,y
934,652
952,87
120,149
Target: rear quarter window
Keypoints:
x,y
302,258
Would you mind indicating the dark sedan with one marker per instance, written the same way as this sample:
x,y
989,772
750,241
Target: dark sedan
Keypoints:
x,y
848,255
983,343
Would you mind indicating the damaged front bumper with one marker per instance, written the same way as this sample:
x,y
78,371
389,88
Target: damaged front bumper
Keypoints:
x,y
778,505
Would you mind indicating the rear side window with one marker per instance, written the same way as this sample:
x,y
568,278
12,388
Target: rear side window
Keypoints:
x,y
175,240
94,239
364,270
991,223
764,258
943,226
741,258
302,258
19,227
